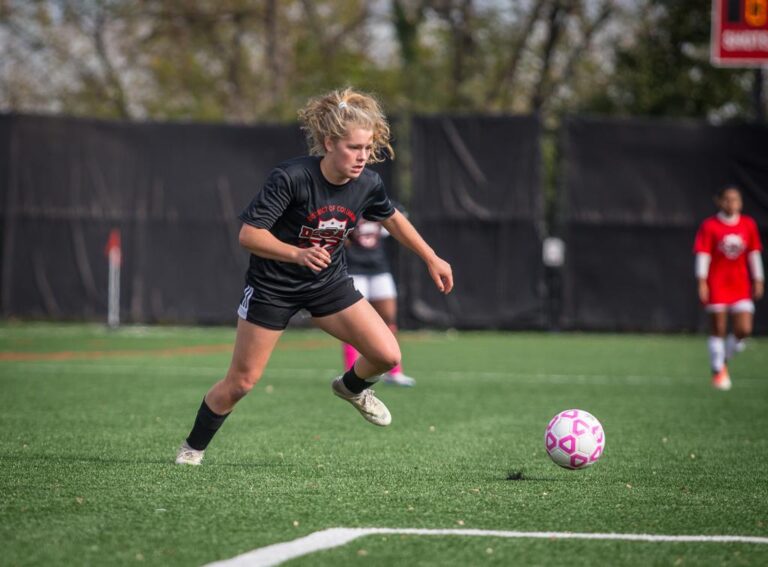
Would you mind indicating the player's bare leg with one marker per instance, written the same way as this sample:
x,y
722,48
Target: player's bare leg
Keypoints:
x,y
387,308
362,327
741,329
716,343
742,324
253,347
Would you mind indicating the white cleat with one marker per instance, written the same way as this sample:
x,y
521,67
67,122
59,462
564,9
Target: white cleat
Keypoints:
x,y
369,406
398,379
189,456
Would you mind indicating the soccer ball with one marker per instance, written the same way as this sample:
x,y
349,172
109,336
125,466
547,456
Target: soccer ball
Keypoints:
x,y
574,439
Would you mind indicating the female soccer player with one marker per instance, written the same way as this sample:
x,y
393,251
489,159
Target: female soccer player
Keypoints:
x,y
368,265
295,229
727,251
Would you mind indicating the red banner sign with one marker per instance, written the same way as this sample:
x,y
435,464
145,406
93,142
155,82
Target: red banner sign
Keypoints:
x,y
740,33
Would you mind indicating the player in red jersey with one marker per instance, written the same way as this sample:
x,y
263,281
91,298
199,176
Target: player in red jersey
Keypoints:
x,y
727,251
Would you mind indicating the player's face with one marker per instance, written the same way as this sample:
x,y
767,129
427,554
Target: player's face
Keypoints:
x,y
730,202
346,158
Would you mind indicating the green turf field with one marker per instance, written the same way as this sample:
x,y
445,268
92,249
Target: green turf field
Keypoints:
x,y
91,420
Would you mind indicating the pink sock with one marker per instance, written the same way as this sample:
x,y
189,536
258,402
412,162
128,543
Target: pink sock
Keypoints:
x,y
350,356
398,369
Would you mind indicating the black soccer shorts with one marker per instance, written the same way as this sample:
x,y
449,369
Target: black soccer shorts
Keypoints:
x,y
261,310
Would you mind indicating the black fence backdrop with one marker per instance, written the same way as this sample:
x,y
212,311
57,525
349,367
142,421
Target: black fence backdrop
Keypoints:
x,y
174,191
635,192
476,199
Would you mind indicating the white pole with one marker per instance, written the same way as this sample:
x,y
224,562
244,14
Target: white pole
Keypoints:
x,y
113,316
114,253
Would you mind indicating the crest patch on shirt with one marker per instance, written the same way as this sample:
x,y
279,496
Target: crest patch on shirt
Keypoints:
x,y
732,245
329,234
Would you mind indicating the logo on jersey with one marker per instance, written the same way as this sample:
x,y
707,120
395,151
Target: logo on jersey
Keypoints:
x,y
732,245
328,234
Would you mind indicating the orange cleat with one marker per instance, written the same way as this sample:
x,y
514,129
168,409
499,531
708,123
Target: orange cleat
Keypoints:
x,y
722,380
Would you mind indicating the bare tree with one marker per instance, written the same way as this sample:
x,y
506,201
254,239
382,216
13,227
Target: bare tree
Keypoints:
x,y
588,30
499,86
330,32
407,19
273,52
112,81
459,15
556,17
70,45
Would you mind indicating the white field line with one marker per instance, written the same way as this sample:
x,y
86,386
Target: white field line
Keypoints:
x,y
66,367
335,537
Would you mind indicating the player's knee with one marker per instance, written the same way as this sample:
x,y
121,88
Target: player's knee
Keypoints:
x,y
241,382
742,328
743,332
389,358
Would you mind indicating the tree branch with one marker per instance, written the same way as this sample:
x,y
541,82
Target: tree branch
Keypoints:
x,y
555,23
589,31
118,97
506,77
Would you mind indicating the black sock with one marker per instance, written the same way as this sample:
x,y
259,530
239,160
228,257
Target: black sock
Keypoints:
x,y
354,383
206,425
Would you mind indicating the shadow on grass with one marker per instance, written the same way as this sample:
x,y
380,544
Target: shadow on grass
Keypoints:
x,y
519,476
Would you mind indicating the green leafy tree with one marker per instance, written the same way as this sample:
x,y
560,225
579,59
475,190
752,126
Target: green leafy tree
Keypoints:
x,y
256,60
666,71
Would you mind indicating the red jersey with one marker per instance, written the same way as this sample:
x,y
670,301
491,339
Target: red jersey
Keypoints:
x,y
728,245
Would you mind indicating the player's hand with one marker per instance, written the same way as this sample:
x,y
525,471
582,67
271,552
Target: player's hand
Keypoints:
x,y
703,291
441,274
758,288
315,258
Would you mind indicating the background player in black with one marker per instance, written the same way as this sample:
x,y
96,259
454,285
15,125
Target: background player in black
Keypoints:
x,y
295,228
368,265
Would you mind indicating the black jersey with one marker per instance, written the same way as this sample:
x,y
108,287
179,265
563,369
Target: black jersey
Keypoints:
x,y
366,253
300,207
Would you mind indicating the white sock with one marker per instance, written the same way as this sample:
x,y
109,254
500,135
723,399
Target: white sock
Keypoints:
x,y
716,353
732,346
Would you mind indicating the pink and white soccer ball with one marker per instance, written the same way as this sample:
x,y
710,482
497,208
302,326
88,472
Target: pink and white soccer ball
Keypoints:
x,y
574,439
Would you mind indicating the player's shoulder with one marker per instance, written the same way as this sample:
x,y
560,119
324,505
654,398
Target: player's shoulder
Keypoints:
x,y
370,179
710,222
297,167
749,221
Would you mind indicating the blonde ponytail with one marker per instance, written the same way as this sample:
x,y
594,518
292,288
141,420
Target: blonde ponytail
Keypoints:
x,y
331,115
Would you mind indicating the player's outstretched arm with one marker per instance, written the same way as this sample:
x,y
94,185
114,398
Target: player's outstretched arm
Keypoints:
x,y
264,244
405,233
